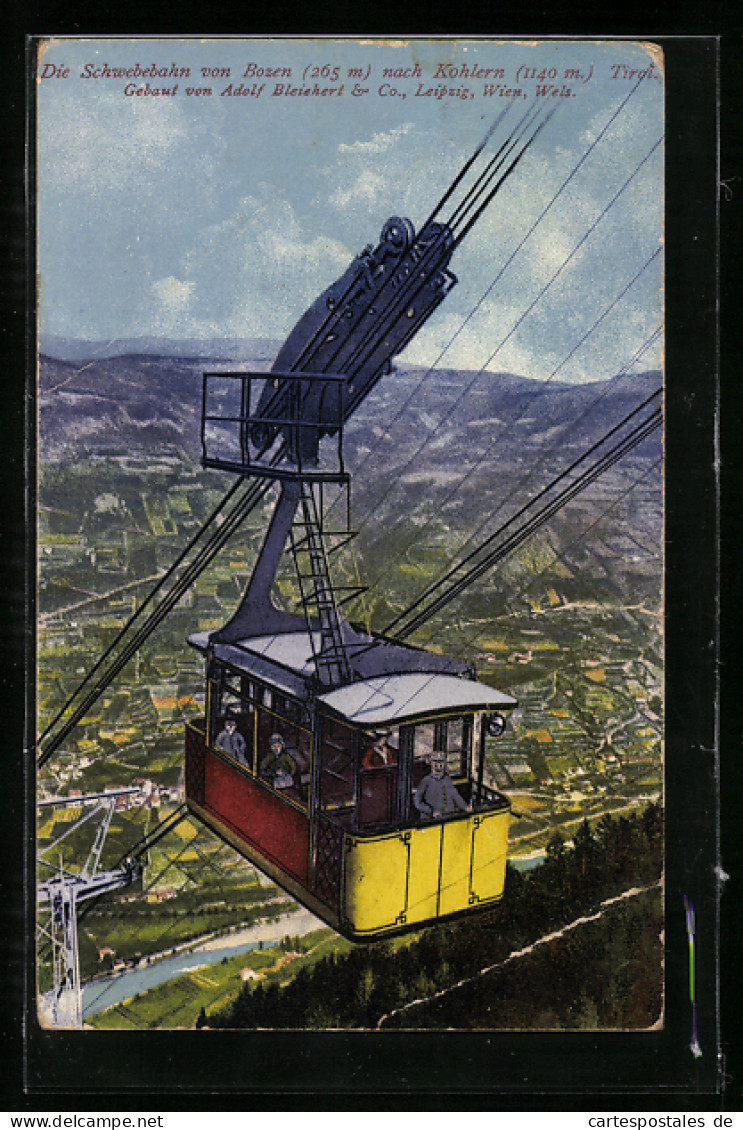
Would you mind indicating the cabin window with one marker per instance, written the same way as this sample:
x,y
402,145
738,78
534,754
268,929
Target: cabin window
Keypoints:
x,y
293,710
231,718
284,755
452,735
423,741
457,742
379,748
380,752
266,733
337,775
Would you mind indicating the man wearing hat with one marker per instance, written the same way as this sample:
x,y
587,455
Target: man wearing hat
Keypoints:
x,y
278,766
436,795
231,740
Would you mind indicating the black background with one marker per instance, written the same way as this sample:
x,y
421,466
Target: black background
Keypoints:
x,y
432,1070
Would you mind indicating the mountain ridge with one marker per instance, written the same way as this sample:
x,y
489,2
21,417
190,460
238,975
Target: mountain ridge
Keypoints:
x,y
73,349
143,401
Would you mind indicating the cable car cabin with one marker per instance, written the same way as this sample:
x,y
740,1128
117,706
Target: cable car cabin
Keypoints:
x,y
316,757
332,792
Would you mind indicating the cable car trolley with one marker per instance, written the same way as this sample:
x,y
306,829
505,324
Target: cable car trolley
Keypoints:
x,y
346,765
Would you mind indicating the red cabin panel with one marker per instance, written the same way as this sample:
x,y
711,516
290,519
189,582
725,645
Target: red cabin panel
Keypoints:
x,y
195,754
266,822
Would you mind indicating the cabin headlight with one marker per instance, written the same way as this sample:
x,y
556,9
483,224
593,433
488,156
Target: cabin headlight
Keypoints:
x,y
495,725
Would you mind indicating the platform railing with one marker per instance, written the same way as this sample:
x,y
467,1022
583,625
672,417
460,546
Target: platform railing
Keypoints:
x,y
277,425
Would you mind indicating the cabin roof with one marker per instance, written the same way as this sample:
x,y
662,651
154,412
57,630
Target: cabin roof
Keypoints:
x,y
286,658
393,697
290,649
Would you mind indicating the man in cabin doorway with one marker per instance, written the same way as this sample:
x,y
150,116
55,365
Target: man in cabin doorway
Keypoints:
x,y
437,795
231,741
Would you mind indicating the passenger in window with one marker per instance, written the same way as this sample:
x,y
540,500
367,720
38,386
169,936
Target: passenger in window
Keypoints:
x,y
231,741
379,753
437,794
278,766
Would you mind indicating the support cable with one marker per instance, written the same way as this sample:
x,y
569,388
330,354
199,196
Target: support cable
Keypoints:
x,y
468,164
148,600
437,596
485,178
475,217
221,535
419,278
464,649
488,452
525,478
337,314
529,475
415,392
432,604
468,387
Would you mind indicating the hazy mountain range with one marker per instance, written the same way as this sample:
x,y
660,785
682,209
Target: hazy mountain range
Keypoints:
x,y
142,402
232,348
432,455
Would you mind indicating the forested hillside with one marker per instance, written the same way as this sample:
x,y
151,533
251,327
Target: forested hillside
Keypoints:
x,y
602,973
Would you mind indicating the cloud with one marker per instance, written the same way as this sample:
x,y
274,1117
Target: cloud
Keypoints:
x,y
377,143
367,188
446,342
389,174
113,148
253,274
174,294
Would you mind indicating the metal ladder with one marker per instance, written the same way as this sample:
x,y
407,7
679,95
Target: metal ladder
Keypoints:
x,y
318,595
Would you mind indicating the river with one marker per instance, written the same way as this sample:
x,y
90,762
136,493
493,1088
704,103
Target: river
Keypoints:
x,y
117,987
104,992
527,862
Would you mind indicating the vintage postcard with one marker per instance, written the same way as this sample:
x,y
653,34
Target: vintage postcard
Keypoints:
x,y
350,646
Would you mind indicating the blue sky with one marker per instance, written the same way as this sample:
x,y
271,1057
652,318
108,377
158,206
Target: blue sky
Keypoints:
x,y
209,217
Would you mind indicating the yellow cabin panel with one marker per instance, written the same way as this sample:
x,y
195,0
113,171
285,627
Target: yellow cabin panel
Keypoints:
x,y
456,860
393,880
375,882
489,848
399,879
423,885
